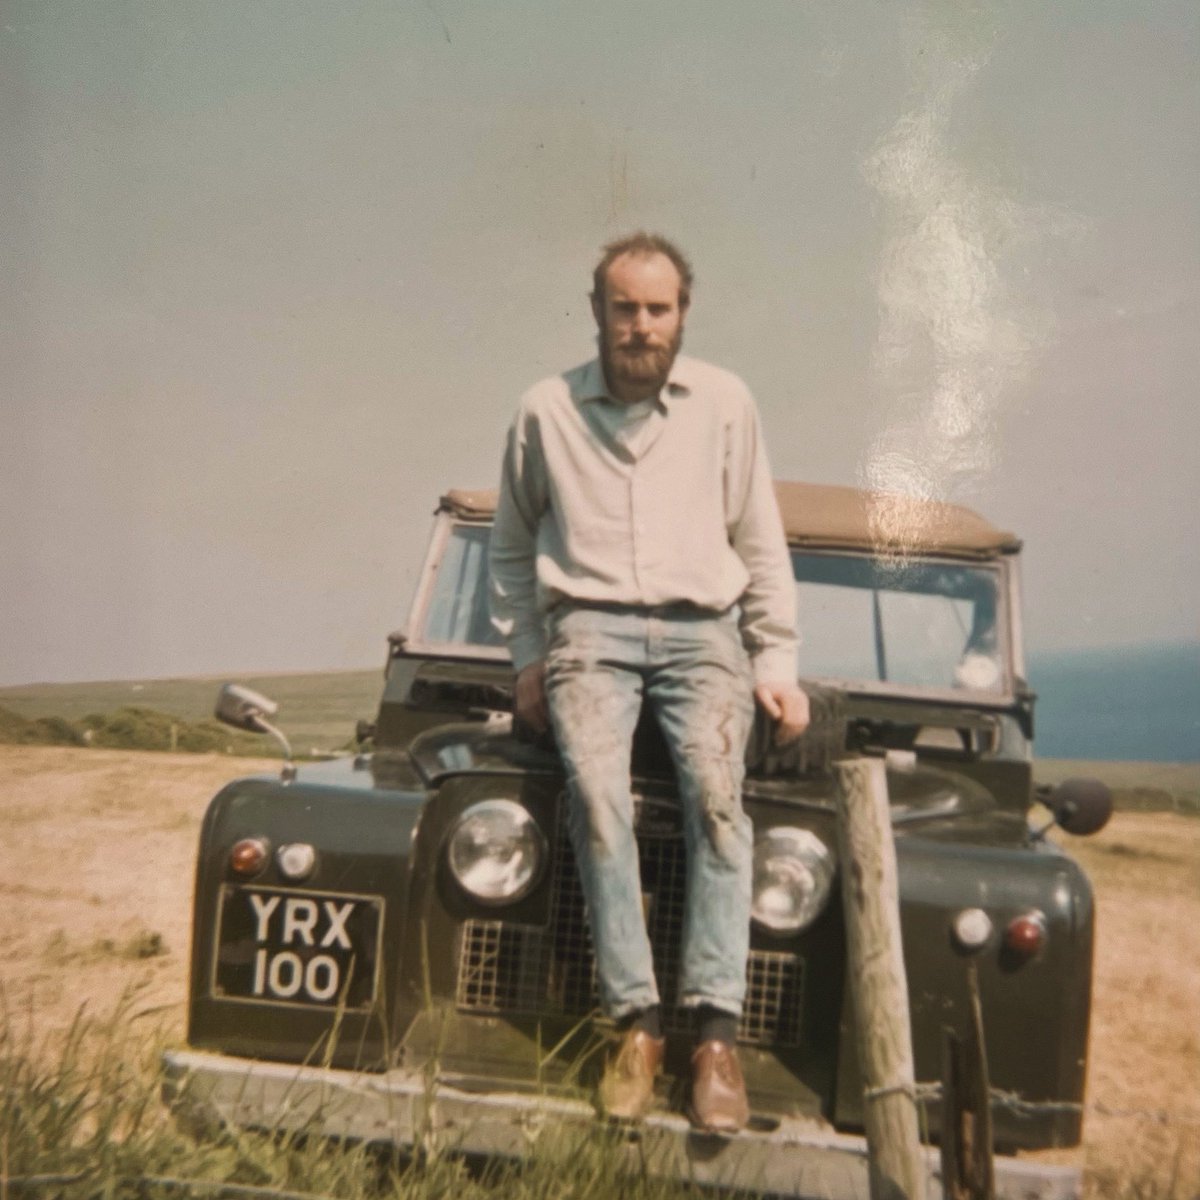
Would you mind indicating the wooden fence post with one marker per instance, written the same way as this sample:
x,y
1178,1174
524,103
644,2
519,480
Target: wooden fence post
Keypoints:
x,y
870,895
967,1169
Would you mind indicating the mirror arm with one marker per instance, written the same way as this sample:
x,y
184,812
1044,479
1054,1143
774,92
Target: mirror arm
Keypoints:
x,y
288,771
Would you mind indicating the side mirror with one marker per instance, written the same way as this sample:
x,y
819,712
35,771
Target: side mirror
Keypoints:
x,y
1080,806
244,709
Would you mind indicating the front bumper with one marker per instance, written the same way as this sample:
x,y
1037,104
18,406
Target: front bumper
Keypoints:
x,y
794,1157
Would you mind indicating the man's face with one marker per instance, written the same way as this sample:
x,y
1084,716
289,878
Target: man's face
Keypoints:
x,y
641,324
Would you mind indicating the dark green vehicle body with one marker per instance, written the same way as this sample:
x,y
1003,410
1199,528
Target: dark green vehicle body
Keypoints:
x,y
421,974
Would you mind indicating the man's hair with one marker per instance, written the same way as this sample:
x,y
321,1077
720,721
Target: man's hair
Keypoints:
x,y
644,244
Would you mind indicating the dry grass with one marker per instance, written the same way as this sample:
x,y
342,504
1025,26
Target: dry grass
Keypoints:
x,y
1148,787
1145,1038
96,868
95,893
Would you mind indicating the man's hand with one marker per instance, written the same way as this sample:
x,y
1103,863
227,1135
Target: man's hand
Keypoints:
x,y
787,705
529,699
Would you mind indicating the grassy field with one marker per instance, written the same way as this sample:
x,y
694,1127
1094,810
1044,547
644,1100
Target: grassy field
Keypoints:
x,y
1136,786
79,1111
95,896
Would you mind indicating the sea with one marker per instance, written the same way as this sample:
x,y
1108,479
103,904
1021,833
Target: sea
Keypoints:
x,y
1120,703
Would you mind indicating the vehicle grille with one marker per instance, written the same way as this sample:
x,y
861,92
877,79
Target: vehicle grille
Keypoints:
x,y
505,967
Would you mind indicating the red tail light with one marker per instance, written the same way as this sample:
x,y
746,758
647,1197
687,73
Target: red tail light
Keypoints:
x,y
1026,935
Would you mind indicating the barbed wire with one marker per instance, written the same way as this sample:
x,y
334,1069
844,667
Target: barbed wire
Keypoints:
x,y
924,1093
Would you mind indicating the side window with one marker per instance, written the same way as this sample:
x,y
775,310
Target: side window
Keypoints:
x,y
458,605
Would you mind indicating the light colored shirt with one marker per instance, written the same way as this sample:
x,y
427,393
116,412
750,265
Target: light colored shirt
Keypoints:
x,y
665,501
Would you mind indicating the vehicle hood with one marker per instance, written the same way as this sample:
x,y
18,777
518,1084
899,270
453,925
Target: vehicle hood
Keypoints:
x,y
479,746
931,801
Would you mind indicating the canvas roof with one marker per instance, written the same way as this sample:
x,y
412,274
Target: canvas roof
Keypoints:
x,y
832,517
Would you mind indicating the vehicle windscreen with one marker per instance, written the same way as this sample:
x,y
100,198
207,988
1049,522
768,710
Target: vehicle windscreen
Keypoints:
x,y
911,623
907,622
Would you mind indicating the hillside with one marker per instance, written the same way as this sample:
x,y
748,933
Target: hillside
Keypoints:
x,y
316,711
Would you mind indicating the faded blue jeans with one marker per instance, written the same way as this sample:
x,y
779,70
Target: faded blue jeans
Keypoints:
x,y
692,669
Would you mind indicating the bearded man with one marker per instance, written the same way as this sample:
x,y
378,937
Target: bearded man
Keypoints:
x,y
638,555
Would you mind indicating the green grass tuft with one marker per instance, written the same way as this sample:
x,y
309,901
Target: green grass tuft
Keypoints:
x,y
84,1119
16,730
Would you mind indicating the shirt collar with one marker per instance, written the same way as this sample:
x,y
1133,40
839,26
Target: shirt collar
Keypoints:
x,y
592,385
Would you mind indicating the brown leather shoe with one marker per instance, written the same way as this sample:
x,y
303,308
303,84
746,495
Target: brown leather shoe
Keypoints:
x,y
718,1102
628,1083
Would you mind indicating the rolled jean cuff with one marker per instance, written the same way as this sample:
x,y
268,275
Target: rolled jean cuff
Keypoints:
x,y
722,1003
627,1008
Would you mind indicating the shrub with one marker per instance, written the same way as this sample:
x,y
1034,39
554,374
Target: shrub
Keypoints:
x,y
131,728
43,731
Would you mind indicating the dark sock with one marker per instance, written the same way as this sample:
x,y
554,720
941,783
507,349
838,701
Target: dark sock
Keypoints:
x,y
714,1024
649,1020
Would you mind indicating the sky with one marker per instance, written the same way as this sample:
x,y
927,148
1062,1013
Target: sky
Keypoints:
x,y
274,273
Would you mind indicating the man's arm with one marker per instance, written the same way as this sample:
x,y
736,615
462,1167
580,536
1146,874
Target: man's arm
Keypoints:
x,y
768,605
529,697
512,568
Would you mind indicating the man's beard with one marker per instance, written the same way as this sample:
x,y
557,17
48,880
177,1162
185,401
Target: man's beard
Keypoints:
x,y
639,365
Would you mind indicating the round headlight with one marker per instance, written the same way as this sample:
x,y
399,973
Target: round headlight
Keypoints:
x,y
793,872
496,851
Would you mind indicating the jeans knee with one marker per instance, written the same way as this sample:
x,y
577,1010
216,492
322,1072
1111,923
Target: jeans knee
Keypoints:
x,y
601,822
724,824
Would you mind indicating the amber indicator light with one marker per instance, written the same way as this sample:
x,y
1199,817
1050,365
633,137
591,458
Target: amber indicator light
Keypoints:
x,y
248,856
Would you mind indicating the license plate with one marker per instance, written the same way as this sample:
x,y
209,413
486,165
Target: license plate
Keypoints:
x,y
279,946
